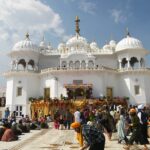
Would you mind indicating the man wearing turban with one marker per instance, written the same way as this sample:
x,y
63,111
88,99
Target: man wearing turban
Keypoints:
x,y
93,138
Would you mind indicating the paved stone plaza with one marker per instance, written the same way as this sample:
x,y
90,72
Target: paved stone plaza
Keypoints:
x,y
52,139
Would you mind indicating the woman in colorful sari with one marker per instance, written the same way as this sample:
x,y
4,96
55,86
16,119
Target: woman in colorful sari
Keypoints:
x,y
121,130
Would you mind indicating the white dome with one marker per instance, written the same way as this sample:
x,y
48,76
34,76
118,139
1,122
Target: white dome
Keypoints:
x,y
43,44
25,45
112,43
61,46
106,47
77,40
93,45
129,43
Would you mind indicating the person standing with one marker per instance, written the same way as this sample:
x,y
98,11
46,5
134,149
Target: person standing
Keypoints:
x,y
143,120
68,119
121,130
7,113
137,134
77,116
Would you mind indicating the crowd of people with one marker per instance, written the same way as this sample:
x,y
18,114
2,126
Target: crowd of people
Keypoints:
x,y
11,127
129,123
92,124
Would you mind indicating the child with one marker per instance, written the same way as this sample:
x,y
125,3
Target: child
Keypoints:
x,y
56,124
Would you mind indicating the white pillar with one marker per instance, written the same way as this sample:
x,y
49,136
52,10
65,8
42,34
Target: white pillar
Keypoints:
x,y
119,63
16,64
86,64
128,63
12,65
27,60
60,64
67,65
139,62
80,65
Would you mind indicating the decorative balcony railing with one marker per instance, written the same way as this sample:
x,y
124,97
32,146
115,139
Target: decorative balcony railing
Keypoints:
x,y
60,69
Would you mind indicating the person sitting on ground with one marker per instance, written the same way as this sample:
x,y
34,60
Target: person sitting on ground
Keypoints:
x,y
16,130
35,125
92,137
2,129
23,127
9,134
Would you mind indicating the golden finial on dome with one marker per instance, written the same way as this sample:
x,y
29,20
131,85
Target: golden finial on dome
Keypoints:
x,y
127,32
77,25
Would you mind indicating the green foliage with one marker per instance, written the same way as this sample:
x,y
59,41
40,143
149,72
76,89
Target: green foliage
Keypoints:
x,y
41,98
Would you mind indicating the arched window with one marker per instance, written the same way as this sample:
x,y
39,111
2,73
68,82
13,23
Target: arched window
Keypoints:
x,y
124,63
134,62
77,65
71,64
31,64
21,64
83,64
90,64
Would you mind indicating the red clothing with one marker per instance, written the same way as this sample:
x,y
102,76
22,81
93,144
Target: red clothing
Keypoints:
x,y
8,135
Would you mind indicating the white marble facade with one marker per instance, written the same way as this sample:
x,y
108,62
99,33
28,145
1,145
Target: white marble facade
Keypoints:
x,y
120,66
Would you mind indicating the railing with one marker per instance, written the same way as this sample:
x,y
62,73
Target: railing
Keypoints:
x,y
80,51
76,69
133,69
100,68
20,71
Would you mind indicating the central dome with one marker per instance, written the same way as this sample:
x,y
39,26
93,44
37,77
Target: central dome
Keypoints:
x,y
129,43
25,45
77,40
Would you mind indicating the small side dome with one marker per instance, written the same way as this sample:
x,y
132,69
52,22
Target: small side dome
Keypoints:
x,y
106,47
25,45
93,45
43,44
61,46
112,43
129,43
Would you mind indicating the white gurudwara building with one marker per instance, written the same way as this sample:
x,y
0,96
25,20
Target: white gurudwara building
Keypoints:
x,y
77,68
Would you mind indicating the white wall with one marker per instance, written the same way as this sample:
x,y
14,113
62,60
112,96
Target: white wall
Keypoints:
x,y
48,61
30,88
108,61
147,88
100,81
127,83
48,82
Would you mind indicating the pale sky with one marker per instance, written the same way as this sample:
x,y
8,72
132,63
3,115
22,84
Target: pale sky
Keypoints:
x,y
101,20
